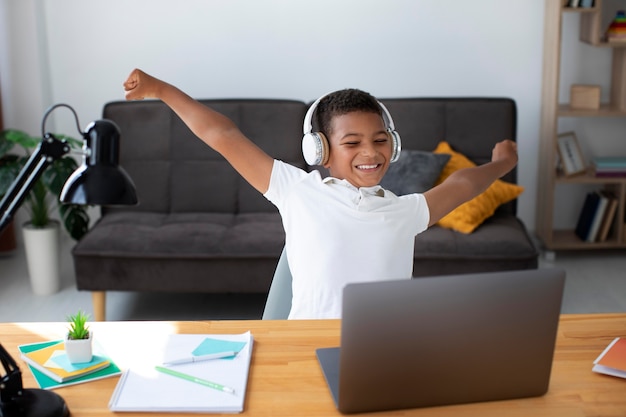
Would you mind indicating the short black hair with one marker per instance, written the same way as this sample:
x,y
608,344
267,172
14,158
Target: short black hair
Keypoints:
x,y
342,102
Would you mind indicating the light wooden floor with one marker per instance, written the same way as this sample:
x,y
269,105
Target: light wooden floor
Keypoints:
x,y
596,282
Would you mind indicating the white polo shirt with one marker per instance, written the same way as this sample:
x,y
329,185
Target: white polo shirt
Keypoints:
x,y
337,234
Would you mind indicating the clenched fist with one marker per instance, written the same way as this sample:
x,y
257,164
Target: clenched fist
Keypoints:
x,y
140,85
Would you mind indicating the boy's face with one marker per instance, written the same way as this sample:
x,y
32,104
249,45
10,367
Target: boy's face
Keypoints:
x,y
360,148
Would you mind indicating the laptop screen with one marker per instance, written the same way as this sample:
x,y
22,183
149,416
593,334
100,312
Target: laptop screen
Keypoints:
x,y
446,340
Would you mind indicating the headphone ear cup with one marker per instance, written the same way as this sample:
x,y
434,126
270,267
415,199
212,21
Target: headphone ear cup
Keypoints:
x,y
396,145
315,148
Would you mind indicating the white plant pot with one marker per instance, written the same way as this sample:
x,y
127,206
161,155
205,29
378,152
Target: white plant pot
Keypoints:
x,y
42,246
79,351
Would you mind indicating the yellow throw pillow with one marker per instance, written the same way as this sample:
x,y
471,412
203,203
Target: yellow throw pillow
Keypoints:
x,y
468,216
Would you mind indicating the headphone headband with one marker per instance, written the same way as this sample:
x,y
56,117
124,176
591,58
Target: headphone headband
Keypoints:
x,y
307,127
316,149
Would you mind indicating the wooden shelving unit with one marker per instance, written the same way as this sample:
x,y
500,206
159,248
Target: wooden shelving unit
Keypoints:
x,y
593,23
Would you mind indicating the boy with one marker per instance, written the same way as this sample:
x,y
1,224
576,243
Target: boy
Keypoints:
x,y
344,228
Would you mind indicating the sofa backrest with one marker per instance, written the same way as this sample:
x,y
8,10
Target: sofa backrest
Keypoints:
x,y
176,172
472,126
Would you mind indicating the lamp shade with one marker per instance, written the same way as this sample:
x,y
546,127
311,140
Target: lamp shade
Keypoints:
x,y
100,180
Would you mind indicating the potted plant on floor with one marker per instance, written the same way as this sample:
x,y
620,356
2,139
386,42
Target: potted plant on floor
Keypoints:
x,y
78,340
41,231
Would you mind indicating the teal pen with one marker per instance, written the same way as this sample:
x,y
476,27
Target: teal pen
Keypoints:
x,y
196,380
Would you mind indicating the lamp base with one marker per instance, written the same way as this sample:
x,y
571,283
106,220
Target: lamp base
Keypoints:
x,y
35,403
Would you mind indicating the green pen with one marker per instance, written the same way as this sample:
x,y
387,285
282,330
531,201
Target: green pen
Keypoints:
x,y
197,380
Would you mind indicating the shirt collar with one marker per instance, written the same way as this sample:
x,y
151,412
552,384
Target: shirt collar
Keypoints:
x,y
376,190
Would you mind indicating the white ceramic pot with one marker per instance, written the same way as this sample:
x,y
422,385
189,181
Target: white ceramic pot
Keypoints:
x,y
43,255
79,351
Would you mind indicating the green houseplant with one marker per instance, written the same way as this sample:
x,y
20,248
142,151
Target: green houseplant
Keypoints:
x,y
41,231
44,196
7,237
78,326
78,340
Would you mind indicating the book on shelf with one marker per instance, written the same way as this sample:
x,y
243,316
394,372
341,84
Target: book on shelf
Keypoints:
x,y
51,368
610,161
610,173
617,29
612,361
609,166
580,3
609,216
591,216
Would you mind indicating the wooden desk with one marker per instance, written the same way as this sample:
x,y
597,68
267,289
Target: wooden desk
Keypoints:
x,y
285,378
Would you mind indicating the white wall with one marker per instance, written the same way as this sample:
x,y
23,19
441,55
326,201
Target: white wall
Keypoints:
x,y
80,52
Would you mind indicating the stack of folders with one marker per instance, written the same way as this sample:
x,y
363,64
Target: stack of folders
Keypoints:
x,y
196,373
597,216
610,166
51,367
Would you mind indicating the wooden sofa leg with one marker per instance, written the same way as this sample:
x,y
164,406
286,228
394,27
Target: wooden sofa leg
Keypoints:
x,y
98,299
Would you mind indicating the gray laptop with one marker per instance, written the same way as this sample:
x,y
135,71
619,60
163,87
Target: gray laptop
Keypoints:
x,y
445,340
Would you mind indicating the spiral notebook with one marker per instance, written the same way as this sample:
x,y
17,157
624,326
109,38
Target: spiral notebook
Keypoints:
x,y
191,387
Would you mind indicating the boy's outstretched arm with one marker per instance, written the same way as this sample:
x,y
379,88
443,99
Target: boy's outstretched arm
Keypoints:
x,y
465,184
215,129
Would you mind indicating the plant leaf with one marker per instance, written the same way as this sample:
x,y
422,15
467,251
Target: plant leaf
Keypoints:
x,y
45,194
5,144
57,173
23,139
78,328
10,167
38,205
75,219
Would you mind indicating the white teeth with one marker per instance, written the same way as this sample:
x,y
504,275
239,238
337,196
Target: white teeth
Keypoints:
x,y
367,166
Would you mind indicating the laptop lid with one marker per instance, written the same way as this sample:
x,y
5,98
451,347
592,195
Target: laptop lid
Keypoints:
x,y
445,340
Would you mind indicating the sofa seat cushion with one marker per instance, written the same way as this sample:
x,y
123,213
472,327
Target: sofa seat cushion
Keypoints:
x,y
186,235
500,242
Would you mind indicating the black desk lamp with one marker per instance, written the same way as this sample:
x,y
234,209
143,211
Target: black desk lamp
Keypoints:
x,y
16,401
100,181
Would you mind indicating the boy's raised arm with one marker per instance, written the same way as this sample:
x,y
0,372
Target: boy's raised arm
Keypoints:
x,y
215,129
465,184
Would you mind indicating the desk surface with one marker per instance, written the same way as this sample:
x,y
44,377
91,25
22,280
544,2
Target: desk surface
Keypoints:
x,y
285,378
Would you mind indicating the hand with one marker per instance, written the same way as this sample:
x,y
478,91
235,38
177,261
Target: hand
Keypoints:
x,y
505,150
140,85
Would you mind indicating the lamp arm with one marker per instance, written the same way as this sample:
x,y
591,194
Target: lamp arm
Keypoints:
x,y
49,150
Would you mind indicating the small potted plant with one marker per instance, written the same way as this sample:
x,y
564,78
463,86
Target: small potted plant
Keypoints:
x,y
78,341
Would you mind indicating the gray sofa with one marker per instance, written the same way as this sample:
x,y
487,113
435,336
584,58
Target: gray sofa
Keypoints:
x,y
200,227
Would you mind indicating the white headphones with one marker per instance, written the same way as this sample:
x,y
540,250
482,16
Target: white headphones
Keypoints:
x,y
315,147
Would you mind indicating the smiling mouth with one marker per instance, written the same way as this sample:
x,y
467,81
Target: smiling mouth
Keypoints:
x,y
367,167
